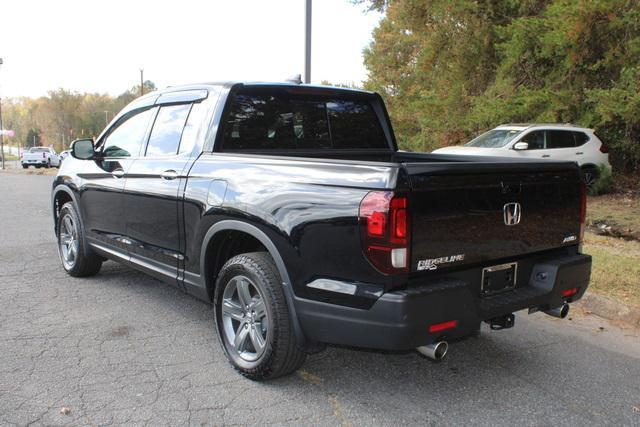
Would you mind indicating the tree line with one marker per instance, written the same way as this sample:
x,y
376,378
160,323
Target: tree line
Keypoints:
x,y
449,70
62,116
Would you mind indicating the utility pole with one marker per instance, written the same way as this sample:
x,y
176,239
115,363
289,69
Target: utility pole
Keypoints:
x,y
106,118
307,42
141,82
1,130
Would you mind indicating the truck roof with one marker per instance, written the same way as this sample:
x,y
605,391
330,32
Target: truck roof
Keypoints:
x,y
151,96
228,84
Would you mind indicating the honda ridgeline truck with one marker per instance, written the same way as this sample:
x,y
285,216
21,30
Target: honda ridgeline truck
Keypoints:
x,y
291,210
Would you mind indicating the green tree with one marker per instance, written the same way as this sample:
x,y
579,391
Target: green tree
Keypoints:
x,y
32,138
450,70
63,115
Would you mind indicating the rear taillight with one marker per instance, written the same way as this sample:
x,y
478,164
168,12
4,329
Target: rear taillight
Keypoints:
x,y
44,156
583,209
604,148
384,225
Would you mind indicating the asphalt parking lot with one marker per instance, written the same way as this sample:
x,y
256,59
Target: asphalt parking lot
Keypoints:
x,y
122,347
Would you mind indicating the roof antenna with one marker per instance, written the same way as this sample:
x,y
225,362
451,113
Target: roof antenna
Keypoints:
x,y
296,79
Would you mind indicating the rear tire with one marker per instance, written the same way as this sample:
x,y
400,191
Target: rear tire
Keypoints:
x,y
77,258
254,326
25,166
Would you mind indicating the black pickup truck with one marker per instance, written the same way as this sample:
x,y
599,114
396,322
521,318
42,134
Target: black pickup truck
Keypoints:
x,y
291,209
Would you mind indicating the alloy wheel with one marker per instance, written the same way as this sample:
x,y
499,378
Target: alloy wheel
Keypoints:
x,y
68,241
589,178
245,318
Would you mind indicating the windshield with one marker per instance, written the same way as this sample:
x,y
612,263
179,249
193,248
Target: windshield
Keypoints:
x,y
495,138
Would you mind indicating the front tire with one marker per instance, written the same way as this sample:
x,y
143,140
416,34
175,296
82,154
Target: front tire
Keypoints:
x,y
77,258
253,320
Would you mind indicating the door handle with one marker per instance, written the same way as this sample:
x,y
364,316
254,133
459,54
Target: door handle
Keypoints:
x,y
546,155
169,174
579,152
118,173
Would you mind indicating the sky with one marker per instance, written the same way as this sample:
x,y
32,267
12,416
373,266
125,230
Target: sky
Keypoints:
x,y
100,46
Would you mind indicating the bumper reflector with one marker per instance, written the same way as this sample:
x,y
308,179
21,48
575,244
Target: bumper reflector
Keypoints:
x,y
438,327
569,292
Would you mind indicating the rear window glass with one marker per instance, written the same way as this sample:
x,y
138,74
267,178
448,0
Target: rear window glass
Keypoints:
x,y
580,137
274,120
38,150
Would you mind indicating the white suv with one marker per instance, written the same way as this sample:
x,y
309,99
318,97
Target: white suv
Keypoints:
x,y
540,141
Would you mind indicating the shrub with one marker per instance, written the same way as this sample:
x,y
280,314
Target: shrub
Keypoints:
x,y
604,183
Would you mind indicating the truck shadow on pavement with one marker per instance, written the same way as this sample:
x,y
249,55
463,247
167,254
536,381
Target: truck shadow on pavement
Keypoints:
x,y
537,368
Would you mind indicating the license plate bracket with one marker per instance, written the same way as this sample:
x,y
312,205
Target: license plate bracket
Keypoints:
x,y
498,278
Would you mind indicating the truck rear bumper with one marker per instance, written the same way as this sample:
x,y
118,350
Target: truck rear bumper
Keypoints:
x,y
400,320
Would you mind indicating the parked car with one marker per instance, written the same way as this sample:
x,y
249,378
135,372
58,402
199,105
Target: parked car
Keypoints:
x,y
40,157
540,141
290,208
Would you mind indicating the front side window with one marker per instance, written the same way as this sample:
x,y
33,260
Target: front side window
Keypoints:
x,y
282,120
496,138
560,139
126,139
167,130
535,140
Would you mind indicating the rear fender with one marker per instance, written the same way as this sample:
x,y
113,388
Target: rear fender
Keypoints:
x,y
273,251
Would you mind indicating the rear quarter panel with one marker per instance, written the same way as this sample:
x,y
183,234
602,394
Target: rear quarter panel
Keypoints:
x,y
309,210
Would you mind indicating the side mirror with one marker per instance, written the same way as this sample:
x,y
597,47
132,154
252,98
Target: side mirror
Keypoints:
x,y
521,145
82,149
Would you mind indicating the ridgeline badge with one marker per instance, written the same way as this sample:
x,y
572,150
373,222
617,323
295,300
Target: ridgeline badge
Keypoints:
x,y
432,264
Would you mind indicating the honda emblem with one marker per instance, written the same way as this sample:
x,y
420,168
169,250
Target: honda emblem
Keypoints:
x,y
512,213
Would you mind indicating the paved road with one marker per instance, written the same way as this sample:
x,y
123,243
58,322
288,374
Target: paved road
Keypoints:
x,y
125,348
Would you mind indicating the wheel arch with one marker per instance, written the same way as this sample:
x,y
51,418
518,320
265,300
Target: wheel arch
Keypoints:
x,y
589,166
226,226
62,194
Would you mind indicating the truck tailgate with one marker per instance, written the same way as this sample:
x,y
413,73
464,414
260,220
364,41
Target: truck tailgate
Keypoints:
x,y
469,213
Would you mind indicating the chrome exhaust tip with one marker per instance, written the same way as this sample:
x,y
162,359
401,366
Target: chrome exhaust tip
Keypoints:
x,y
435,351
559,312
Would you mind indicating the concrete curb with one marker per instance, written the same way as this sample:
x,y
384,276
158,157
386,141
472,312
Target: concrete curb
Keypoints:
x,y
610,309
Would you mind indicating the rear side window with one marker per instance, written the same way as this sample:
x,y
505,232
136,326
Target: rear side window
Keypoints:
x,y
560,139
581,138
278,120
190,132
167,130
